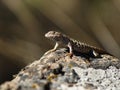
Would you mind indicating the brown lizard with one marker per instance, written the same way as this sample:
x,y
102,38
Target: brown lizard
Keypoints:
x,y
72,44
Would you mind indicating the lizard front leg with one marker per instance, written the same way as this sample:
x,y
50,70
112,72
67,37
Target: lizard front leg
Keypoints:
x,y
52,50
70,49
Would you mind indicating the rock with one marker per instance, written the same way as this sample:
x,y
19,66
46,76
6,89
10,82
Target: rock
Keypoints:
x,y
58,71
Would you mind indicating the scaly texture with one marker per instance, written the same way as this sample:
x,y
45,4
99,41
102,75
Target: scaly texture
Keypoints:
x,y
73,45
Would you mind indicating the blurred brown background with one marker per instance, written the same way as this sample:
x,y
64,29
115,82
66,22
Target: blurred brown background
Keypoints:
x,y
23,24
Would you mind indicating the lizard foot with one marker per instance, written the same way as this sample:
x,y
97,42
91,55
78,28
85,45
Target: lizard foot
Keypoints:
x,y
70,55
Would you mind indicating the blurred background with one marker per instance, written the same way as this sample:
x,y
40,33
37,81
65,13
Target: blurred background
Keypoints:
x,y
23,24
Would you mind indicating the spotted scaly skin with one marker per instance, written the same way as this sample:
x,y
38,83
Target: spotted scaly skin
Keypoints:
x,y
73,45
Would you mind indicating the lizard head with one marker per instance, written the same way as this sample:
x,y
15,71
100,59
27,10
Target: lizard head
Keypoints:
x,y
53,35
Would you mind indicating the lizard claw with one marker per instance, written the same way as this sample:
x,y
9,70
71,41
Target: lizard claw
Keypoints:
x,y
70,55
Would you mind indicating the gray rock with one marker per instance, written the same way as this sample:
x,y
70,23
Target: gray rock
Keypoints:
x,y
58,71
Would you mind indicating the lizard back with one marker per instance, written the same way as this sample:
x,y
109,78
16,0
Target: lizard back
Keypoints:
x,y
76,45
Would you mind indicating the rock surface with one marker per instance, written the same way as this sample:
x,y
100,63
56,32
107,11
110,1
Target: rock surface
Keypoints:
x,y
59,71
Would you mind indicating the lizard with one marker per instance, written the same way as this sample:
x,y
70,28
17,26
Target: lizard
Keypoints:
x,y
72,44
